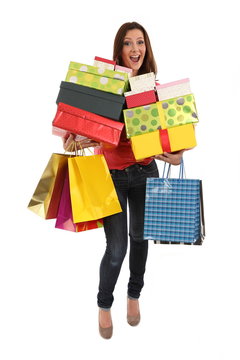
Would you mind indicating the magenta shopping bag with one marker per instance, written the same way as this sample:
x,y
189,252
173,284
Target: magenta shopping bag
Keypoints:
x,y
65,219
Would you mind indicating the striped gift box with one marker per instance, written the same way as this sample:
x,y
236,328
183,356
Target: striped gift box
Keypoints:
x,y
174,211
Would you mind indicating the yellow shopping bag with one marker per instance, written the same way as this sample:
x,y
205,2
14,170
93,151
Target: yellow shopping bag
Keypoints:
x,y
93,195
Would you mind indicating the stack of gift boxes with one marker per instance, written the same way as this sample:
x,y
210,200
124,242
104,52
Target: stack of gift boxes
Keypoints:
x,y
155,113
90,101
97,101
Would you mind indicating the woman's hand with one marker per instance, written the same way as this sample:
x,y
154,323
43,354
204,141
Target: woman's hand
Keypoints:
x,y
171,158
70,144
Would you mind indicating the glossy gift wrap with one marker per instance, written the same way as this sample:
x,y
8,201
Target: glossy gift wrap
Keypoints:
x,y
87,124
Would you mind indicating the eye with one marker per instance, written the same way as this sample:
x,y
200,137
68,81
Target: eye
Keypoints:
x,y
127,43
140,42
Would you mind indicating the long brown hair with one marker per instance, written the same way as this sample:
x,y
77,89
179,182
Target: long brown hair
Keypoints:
x,y
149,63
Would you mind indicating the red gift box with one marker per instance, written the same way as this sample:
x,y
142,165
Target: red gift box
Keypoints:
x,y
140,99
85,123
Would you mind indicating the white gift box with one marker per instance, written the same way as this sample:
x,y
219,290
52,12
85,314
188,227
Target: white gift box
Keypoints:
x,y
173,89
142,82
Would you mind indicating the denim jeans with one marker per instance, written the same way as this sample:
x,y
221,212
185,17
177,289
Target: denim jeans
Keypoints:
x,y
130,185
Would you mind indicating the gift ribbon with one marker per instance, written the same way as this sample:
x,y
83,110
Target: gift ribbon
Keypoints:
x,y
164,138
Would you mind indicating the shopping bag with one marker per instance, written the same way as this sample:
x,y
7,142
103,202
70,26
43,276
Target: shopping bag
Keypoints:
x,y
46,197
64,219
174,210
93,195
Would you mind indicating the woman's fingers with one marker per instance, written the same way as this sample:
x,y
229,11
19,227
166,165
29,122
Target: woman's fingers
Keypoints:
x,y
85,144
70,144
171,158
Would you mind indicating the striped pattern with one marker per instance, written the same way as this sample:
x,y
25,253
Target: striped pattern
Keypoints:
x,y
172,211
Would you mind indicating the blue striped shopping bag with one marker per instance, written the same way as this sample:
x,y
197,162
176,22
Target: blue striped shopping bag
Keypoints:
x,y
174,210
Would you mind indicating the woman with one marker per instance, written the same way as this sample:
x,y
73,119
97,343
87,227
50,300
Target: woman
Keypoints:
x,y
132,49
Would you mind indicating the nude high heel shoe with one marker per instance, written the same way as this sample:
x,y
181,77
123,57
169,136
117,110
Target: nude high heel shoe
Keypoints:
x,y
107,332
133,320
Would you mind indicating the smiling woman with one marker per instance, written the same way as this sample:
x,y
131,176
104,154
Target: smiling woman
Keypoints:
x,y
132,48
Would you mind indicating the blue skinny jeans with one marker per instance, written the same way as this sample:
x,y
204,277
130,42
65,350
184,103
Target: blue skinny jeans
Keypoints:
x,y
130,185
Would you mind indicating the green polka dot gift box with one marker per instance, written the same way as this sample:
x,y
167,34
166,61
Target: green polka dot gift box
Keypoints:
x,y
111,81
141,120
178,111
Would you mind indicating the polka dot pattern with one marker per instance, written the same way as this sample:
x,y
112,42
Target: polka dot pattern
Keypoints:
x,y
142,119
73,79
118,76
83,68
180,111
103,80
98,78
136,121
101,70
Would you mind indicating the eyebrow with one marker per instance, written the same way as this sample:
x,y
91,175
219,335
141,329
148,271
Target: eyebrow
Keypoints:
x,y
140,37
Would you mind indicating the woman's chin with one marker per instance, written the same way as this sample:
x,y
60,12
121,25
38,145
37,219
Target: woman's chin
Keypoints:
x,y
135,66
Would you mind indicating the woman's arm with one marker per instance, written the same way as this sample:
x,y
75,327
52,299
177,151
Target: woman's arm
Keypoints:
x,y
171,158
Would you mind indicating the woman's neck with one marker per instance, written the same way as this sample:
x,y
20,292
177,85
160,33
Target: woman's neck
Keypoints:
x,y
134,72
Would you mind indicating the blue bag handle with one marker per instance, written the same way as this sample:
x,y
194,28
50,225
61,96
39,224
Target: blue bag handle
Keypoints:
x,y
168,170
181,170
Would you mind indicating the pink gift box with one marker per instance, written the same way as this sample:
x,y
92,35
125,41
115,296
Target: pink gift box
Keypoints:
x,y
123,69
173,89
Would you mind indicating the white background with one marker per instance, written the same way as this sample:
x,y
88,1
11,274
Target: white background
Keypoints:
x,y
49,277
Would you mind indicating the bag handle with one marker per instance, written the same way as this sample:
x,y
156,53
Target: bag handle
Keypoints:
x,y
73,147
168,170
182,173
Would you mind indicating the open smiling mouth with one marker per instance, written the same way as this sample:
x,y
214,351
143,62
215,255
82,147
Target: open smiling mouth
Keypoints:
x,y
135,59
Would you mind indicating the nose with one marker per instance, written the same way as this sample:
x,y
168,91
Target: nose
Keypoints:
x,y
134,47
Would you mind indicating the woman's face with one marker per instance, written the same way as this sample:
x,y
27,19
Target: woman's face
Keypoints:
x,y
133,50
